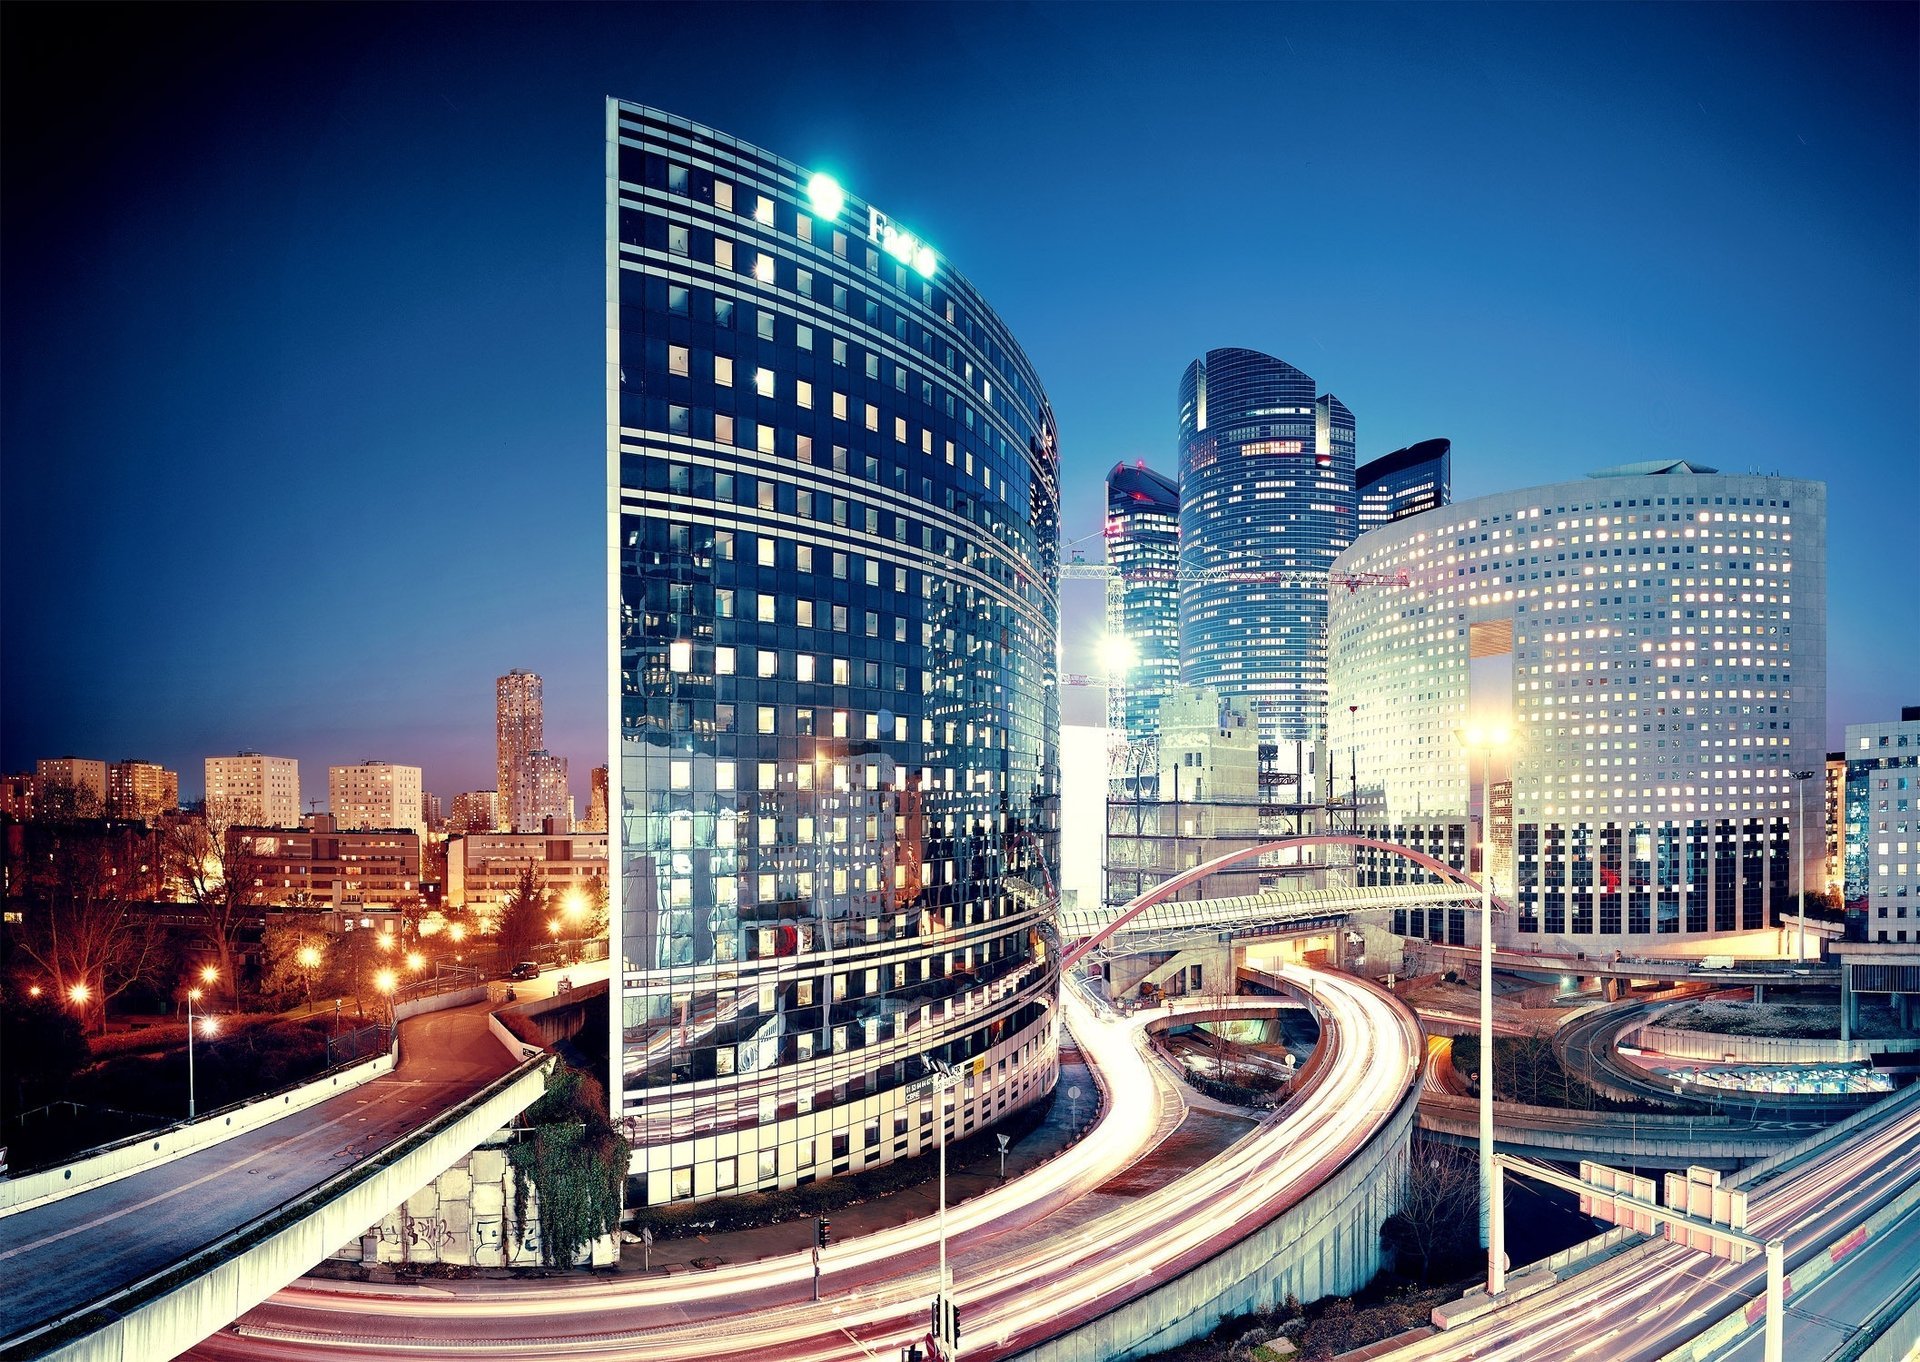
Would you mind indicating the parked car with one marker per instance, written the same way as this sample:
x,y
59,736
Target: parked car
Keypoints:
x,y
526,969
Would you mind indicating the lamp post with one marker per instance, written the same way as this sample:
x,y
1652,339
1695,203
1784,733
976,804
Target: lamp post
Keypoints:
x,y
942,1079
309,958
1800,852
207,976
1492,1228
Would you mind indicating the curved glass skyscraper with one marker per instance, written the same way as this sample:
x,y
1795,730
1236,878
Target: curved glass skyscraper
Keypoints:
x,y
833,525
1143,596
1266,504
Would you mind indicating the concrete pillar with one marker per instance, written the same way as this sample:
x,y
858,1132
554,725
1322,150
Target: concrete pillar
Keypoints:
x,y
1846,1002
1759,993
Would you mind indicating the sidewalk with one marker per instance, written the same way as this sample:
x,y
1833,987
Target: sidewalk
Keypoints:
x,y
1076,1102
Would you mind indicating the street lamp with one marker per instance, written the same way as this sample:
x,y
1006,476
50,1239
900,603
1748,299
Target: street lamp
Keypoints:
x,y
1492,1230
416,961
207,975
309,958
941,1078
1800,851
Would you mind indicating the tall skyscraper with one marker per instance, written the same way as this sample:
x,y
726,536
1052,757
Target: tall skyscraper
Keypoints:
x,y
835,496
376,794
597,802
1143,596
140,789
1405,482
249,790
547,795
519,723
1266,487
1653,640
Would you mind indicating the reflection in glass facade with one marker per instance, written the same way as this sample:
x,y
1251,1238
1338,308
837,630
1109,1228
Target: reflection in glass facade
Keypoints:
x,y
833,532
1405,482
1266,486
1143,596
1654,640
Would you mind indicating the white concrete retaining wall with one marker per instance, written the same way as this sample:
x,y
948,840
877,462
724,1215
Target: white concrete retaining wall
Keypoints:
x,y
231,1277
1686,1043
516,1048
1327,1244
163,1146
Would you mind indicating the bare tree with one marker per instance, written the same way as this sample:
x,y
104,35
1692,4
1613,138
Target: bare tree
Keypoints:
x,y
218,874
1440,1209
77,878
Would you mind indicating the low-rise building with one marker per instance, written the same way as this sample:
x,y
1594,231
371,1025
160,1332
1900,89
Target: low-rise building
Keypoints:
x,y
326,866
484,868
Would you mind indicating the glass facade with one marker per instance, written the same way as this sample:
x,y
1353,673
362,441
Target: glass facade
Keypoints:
x,y
1405,482
1143,596
1654,639
833,529
1883,828
1266,504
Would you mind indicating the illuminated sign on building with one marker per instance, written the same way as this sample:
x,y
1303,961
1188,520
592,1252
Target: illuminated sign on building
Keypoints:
x,y
902,245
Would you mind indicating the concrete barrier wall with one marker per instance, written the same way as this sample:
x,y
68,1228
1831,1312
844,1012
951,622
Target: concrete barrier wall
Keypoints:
x,y
257,1261
516,1048
1326,1244
439,1002
163,1146
1686,1043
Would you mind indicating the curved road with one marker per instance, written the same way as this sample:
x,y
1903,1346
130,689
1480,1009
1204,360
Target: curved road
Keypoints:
x,y
1069,1242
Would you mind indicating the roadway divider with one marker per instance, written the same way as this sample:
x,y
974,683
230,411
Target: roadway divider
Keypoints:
x,y
109,1163
169,1311
1800,1276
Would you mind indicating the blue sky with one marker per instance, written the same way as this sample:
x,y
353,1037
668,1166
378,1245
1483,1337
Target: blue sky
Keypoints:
x,y
302,349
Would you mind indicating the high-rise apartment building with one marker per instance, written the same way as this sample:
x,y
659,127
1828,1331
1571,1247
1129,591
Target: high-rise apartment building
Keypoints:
x,y
1266,504
520,731
475,811
141,789
1654,640
1403,483
835,494
1143,596
76,785
254,790
376,794
596,820
547,796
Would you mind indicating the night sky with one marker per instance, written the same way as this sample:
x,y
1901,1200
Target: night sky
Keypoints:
x,y
303,408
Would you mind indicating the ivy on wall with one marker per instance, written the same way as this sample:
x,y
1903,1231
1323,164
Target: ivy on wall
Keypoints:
x,y
577,1162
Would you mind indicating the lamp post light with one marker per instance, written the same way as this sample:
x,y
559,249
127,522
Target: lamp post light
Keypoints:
x,y
207,976
1492,1230
1800,851
386,981
309,958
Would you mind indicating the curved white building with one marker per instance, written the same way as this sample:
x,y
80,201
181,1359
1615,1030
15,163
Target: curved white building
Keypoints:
x,y
1654,640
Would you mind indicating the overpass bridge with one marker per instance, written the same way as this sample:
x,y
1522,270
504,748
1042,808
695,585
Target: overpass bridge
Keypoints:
x,y
142,1263
1167,924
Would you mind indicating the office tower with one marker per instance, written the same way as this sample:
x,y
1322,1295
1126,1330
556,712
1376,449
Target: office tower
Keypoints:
x,y
141,789
520,729
835,494
1883,819
1266,504
1403,483
249,790
376,794
1654,640
1834,875
1143,596
597,802
72,786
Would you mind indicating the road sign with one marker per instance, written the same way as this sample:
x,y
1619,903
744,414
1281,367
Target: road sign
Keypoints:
x,y
1604,1179
1698,1192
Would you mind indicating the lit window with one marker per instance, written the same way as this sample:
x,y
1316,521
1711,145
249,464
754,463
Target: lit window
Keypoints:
x,y
873,417
839,406
723,661
766,552
763,382
723,371
723,194
803,393
804,662
765,441
680,655
763,211
763,268
769,663
723,253
723,428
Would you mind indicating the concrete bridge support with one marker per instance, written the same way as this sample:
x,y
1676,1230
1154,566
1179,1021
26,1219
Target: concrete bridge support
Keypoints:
x,y
1327,1243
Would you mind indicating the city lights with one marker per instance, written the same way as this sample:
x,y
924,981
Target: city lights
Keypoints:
x,y
825,196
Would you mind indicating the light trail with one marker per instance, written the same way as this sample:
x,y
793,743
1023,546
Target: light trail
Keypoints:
x,y
1031,1259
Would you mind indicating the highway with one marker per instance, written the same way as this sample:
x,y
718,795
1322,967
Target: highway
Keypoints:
x,y
1068,1242
1644,1302
67,1253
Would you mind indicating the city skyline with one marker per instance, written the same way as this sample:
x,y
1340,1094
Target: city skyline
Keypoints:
x,y
1705,209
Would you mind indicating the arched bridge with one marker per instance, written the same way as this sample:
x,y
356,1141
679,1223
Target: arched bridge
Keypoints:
x,y
1455,887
